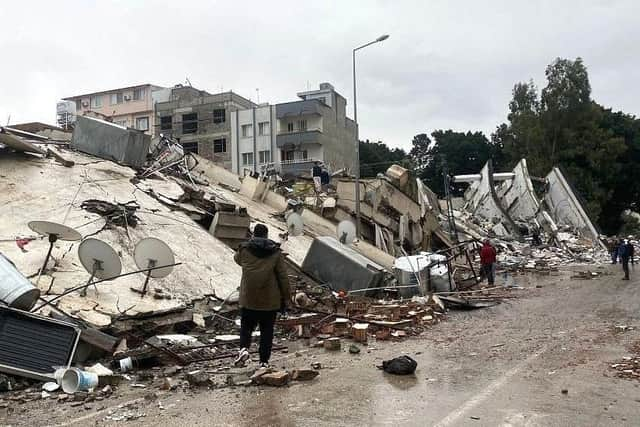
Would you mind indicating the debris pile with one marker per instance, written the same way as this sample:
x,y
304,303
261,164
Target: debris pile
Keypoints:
x,y
629,366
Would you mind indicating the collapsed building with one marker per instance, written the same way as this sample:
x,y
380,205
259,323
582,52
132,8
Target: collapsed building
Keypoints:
x,y
114,184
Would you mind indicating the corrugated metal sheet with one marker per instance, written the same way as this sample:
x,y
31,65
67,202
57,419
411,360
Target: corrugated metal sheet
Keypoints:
x,y
32,345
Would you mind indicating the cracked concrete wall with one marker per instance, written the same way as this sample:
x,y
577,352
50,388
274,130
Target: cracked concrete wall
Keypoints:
x,y
566,209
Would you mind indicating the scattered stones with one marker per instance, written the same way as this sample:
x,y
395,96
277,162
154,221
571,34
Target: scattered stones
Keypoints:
x,y
304,374
168,383
332,344
316,365
197,378
354,349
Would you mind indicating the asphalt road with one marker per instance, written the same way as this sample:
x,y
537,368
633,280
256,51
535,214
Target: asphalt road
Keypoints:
x,y
503,366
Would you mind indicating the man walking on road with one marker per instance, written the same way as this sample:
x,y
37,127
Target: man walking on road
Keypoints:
x,y
264,290
488,261
625,252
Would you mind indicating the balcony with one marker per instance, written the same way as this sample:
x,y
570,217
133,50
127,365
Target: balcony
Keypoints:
x,y
298,108
296,167
297,138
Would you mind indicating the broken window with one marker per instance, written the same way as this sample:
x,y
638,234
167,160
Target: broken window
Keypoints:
x,y
302,125
139,94
264,156
116,98
190,123
166,123
220,145
290,127
219,115
190,147
263,128
247,159
142,123
96,101
247,131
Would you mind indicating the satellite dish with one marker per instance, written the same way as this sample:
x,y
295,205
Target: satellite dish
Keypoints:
x,y
54,232
99,259
152,252
346,232
60,231
295,225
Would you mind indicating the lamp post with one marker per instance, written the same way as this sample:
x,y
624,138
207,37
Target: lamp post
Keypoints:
x,y
355,119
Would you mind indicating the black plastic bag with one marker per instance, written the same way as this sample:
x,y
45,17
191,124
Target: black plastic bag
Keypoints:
x,y
403,365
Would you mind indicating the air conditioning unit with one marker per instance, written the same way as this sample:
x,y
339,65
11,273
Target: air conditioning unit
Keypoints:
x,y
127,97
85,104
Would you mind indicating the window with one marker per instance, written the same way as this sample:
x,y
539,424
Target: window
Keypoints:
x,y
142,123
263,128
305,155
78,104
190,147
286,156
116,98
264,156
219,115
190,123
247,159
302,125
220,145
290,127
139,94
96,101
121,122
247,130
166,123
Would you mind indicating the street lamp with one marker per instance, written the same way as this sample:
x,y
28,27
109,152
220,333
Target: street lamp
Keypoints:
x,y
355,119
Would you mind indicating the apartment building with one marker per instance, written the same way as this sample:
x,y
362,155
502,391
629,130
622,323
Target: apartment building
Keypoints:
x,y
293,135
199,120
128,106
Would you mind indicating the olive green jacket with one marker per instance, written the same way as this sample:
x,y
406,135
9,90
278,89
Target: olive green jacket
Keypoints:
x,y
265,283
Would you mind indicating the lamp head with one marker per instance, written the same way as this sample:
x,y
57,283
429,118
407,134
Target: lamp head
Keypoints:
x,y
382,38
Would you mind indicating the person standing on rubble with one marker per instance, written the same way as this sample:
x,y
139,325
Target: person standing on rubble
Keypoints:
x,y
625,251
316,173
488,261
264,290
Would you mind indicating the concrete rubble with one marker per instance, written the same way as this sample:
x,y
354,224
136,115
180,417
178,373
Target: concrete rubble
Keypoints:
x,y
116,186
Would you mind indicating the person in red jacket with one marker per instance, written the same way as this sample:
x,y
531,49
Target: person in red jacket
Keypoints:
x,y
488,261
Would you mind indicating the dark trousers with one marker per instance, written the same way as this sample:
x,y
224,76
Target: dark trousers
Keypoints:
x,y
266,320
625,266
489,272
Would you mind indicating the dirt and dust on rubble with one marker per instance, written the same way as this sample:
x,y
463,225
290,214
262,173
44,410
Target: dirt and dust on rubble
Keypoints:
x,y
117,261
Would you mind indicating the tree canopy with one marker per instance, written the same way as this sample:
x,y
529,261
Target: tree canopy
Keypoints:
x,y
560,125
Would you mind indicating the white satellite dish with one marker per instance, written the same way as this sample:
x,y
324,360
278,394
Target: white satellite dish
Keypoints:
x,y
99,259
295,225
54,232
151,252
346,232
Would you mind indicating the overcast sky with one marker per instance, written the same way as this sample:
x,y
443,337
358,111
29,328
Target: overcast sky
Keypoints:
x,y
447,64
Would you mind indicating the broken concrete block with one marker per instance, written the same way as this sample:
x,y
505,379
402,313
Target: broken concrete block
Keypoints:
x,y
359,331
354,349
168,383
275,379
304,374
332,344
259,373
197,378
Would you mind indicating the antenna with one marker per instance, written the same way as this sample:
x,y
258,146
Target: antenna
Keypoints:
x,y
149,253
346,232
258,95
100,260
54,232
295,225
187,81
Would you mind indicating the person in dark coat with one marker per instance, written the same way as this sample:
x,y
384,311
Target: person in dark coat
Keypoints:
x,y
488,262
625,252
264,290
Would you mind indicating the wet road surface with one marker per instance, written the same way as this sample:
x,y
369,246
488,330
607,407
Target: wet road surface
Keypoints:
x,y
503,366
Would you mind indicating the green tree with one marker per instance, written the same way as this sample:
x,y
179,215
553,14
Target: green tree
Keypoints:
x,y
459,152
376,157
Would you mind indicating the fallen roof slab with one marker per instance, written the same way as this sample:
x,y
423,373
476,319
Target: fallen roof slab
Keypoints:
x,y
39,189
